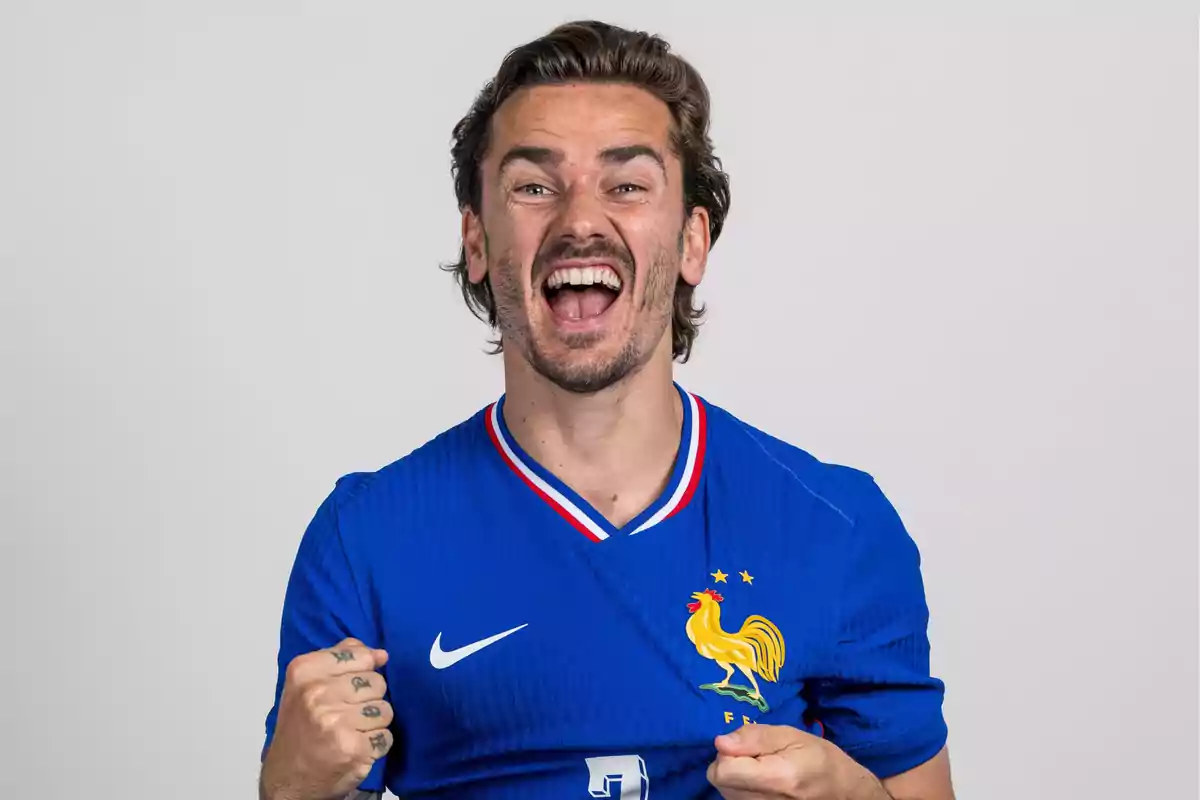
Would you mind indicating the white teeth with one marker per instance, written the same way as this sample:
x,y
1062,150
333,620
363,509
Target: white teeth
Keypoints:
x,y
585,276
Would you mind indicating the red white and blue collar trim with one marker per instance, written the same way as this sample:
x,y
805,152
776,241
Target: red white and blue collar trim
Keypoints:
x,y
685,475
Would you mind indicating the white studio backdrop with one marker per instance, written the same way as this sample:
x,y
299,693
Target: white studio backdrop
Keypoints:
x,y
961,256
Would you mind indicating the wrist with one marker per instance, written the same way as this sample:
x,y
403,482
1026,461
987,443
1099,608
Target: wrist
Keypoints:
x,y
281,792
867,787
859,783
270,788
278,793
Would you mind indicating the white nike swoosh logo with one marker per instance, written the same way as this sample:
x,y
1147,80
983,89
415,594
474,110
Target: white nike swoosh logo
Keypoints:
x,y
440,659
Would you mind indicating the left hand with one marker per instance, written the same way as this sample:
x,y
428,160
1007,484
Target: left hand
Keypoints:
x,y
778,762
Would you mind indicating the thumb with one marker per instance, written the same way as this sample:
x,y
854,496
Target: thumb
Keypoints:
x,y
758,739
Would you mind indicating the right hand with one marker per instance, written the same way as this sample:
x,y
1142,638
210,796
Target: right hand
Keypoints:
x,y
332,724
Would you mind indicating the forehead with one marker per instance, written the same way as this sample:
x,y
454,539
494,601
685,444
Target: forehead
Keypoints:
x,y
581,119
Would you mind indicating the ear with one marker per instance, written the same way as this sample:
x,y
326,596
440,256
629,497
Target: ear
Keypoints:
x,y
696,243
474,245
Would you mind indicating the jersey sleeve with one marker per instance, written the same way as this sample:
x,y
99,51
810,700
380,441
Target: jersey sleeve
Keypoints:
x,y
877,700
322,605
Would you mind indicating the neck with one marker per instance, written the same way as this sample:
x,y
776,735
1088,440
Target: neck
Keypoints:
x,y
616,447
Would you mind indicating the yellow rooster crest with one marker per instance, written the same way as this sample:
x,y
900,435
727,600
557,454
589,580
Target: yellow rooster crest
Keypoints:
x,y
757,647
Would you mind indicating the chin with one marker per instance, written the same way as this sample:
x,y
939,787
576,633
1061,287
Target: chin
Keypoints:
x,y
585,368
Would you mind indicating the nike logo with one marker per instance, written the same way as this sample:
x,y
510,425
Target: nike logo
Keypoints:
x,y
440,659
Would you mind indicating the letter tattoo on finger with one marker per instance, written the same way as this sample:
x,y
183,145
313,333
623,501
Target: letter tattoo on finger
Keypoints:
x,y
371,711
379,741
343,655
359,682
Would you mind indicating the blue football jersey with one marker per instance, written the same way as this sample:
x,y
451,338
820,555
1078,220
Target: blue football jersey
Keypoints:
x,y
538,650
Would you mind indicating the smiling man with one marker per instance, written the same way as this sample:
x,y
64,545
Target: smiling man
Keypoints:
x,y
602,584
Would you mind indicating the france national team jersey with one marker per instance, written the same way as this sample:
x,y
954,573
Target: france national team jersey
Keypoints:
x,y
538,651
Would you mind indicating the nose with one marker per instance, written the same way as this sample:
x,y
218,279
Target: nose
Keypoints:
x,y
583,215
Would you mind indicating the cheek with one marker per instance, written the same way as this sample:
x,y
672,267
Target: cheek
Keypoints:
x,y
651,234
514,239
659,262
508,293
661,280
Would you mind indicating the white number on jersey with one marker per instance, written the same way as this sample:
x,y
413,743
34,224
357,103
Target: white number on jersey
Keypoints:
x,y
630,771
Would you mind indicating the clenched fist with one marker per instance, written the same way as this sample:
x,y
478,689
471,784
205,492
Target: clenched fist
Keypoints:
x,y
779,762
332,724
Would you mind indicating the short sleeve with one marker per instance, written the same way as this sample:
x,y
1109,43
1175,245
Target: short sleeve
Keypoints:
x,y
322,605
877,700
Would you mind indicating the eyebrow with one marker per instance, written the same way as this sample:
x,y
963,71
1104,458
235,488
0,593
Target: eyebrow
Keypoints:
x,y
542,156
619,155
549,157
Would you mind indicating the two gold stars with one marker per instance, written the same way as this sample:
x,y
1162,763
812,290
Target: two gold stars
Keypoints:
x,y
720,577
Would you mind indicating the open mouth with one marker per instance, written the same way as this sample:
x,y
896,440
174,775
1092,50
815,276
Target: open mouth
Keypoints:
x,y
579,293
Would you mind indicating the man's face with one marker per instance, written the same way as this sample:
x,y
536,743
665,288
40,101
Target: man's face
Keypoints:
x,y
582,230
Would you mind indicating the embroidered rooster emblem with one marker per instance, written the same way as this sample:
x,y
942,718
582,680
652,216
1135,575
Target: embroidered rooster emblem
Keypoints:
x,y
755,649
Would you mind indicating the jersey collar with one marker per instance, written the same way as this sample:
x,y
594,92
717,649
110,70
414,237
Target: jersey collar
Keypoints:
x,y
685,475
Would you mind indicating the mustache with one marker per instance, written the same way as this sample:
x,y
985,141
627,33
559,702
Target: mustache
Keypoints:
x,y
595,249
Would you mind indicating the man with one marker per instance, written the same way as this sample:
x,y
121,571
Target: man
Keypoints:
x,y
601,585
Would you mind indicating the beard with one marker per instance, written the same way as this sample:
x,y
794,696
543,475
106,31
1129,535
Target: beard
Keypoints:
x,y
575,371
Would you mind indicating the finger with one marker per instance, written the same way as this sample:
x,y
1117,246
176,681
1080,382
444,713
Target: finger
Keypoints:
x,y
359,644
345,657
358,687
377,743
372,715
743,773
760,739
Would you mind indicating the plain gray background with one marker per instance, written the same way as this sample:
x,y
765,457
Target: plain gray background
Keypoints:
x,y
962,255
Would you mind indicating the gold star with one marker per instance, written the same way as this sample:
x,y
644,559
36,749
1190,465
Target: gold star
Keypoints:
x,y
719,576
746,577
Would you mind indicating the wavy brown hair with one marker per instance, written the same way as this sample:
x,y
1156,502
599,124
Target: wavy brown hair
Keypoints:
x,y
596,51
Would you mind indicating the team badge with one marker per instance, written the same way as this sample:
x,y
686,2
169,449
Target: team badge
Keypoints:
x,y
755,649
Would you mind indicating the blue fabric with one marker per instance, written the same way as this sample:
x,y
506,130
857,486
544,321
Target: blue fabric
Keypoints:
x,y
600,686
